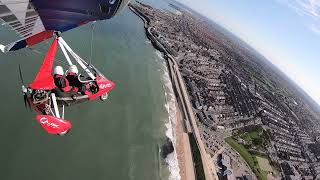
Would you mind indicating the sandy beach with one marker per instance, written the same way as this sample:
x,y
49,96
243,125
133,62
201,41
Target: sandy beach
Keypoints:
x,y
183,149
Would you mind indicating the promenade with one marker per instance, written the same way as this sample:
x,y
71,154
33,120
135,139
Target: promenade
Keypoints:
x,y
184,104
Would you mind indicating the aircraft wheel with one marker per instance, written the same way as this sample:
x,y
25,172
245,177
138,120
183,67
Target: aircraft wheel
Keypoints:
x,y
104,97
64,133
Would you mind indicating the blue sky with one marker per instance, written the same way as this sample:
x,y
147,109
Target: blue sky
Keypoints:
x,y
287,32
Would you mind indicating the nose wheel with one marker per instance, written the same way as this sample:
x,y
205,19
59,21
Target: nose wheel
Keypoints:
x,y
104,97
64,133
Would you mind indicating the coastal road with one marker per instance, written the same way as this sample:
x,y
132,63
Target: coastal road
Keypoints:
x,y
183,99
208,166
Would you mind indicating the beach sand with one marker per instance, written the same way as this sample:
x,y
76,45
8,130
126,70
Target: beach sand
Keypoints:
x,y
183,149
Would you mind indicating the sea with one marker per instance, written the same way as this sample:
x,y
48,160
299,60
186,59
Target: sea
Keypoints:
x,y
119,139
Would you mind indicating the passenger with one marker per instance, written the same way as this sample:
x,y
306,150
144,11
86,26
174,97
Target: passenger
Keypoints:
x,y
59,80
72,77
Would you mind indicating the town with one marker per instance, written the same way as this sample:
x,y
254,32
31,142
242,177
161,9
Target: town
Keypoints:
x,y
254,122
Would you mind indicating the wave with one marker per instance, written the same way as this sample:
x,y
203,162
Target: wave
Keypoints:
x,y
170,105
160,55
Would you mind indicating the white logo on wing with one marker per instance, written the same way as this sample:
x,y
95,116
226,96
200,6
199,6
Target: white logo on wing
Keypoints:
x,y
45,121
103,86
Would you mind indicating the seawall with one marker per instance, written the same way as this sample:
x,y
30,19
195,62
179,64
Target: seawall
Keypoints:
x,y
182,97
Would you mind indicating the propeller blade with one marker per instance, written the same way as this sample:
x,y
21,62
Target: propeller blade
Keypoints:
x,y
24,90
29,105
25,100
20,73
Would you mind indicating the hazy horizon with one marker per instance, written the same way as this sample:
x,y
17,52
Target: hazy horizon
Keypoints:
x,y
285,32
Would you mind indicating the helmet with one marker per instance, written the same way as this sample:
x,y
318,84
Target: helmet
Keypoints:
x,y
58,70
73,69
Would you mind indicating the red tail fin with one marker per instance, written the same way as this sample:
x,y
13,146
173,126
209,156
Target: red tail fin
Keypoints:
x,y
54,125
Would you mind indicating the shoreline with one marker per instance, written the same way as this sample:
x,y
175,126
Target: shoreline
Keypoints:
x,y
186,123
182,145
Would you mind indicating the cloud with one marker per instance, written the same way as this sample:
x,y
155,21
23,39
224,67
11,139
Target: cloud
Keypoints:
x,y
307,8
315,29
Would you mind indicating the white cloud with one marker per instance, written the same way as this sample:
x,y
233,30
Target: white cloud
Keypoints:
x,y
315,28
307,8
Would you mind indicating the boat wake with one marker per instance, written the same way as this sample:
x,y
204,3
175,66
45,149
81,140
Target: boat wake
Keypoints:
x,y
170,105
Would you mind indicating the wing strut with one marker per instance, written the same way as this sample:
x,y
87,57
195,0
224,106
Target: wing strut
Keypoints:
x,y
65,53
64,46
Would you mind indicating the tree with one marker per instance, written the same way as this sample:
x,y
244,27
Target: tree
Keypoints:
x,y
257,141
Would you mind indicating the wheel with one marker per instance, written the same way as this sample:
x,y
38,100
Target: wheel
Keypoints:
x,y
104,97
74,97
64,133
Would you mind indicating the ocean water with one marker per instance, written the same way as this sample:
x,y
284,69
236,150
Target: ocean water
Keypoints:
x,y
170,105
117,139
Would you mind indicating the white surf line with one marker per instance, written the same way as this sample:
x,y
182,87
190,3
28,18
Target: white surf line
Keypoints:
x,y
170,105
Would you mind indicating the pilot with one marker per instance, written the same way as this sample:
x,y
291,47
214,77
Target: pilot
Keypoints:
x,y
59,80
72,77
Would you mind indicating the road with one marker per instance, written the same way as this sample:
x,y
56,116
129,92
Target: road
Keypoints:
x,y
183,100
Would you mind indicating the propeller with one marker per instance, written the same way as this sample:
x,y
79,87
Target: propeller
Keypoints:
x,y
24,90
20,72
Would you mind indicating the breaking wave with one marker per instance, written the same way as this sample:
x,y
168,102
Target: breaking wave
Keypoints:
x,y
170,105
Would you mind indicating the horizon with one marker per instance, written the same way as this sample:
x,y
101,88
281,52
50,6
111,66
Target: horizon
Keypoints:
x,y
302,73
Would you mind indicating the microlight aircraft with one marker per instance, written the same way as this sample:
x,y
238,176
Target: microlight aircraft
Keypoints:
x,y
39,20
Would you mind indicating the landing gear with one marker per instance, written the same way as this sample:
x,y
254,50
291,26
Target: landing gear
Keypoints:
x,y
104,97
49,101
64,133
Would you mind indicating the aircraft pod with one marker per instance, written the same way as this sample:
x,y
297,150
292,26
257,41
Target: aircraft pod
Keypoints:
x,y
51,90
47,99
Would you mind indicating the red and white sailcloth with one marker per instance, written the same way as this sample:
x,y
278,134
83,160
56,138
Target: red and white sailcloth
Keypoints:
x,y
44,79
35,21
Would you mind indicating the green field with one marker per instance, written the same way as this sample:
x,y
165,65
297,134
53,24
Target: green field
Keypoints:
x,y
265,83
248,157
257,136
250,136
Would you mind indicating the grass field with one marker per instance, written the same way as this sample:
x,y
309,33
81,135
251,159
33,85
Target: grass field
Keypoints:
x,y
266,83
249,158
264,164
250,136
257,136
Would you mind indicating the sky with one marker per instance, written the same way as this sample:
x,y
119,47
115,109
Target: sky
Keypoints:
x,y
286,32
